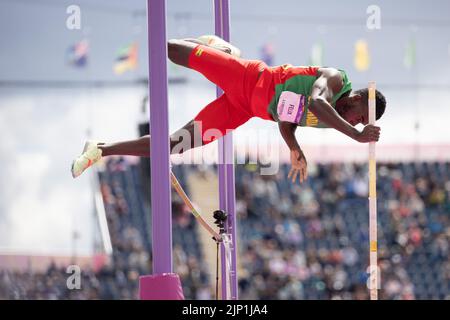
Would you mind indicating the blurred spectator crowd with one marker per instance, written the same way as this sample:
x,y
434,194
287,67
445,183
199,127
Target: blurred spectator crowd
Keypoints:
x,y
310,241
129,225
306,241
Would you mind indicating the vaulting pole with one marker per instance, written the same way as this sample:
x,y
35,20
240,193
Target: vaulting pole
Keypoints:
x,y
373,269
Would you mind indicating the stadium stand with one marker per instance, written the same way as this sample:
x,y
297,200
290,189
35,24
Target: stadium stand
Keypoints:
x,y
296,242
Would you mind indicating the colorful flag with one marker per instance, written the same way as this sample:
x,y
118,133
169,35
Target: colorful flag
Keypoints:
x,y
127,59
77,54
268,53
362,56
316,57
409,60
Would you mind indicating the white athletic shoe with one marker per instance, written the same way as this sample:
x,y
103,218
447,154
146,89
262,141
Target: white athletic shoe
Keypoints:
x,y
90,155
219,43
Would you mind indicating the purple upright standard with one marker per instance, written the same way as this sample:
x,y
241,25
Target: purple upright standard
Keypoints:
x,y
163,284
227,193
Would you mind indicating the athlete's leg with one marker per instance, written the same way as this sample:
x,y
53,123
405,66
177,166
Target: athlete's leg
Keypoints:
x,y
216,43
140,147
211,123
179,50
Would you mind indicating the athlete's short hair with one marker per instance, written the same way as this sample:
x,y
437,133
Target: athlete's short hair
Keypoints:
x,y
380,100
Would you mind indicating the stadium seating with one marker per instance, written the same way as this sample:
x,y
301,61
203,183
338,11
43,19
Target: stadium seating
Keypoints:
x,y
294,242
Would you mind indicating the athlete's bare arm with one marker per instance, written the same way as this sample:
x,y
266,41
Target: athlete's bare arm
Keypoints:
x,y
325,87
327,84
298,160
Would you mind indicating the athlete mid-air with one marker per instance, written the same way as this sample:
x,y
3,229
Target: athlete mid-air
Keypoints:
x,y
320,97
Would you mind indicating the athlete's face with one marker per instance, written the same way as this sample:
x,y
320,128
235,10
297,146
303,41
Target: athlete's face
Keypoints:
x,y
355,116
355,111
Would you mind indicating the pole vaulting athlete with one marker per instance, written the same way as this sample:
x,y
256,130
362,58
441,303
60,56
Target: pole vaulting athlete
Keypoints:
x,y
293,96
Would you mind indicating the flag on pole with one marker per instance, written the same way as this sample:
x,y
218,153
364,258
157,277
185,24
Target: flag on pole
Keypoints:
x,y
409,60
362,56
127,59
316,57
77,54
268,53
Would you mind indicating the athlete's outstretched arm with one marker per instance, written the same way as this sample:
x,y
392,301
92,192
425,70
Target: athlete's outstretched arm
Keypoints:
x,y
287,130
323,90
298,160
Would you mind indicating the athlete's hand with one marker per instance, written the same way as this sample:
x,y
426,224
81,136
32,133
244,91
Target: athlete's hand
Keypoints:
x,y
369,133
298,166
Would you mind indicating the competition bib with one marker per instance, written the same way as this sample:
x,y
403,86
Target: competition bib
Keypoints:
x,y
291,106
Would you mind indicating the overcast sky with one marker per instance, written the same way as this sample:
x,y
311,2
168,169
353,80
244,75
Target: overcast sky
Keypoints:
x,y
34,36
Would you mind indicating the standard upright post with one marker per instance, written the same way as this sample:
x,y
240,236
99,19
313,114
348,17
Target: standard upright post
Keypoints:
x,y
159,131
227,194
162,284
373,269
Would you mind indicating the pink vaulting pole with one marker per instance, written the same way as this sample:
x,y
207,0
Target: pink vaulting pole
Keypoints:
x,y
163,284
